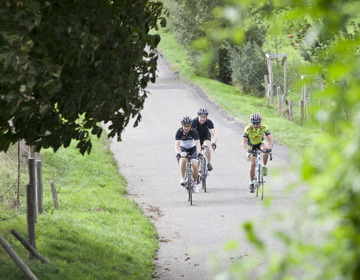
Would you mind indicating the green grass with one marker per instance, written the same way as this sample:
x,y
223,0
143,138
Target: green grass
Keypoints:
x,y
98,233
236,103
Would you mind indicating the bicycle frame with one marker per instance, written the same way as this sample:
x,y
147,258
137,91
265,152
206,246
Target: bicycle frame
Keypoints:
x,y
189,182
203,172
259,173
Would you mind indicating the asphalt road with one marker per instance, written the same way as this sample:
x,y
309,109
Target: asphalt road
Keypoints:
x,y
192,238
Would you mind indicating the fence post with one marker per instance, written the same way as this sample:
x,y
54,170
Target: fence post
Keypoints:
x,y
284,101
291,113
54,195
39,186
19,262
278,91
285,76
301,109
28,246
31,203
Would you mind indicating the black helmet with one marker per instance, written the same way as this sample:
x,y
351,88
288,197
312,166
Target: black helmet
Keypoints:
x,y
255,118
186,120
203,112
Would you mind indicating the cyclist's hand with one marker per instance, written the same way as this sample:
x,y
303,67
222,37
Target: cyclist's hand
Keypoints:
x,y
200,155
268,151
178,156
213,145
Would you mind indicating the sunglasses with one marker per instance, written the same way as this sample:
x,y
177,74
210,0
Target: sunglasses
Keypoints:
x,y
187,126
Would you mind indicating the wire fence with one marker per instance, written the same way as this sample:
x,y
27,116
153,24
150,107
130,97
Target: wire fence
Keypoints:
x,y
13,177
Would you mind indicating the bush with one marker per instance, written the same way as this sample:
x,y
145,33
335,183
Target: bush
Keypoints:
x,y
248,66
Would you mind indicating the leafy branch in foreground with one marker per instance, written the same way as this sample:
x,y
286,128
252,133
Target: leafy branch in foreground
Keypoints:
x,y
66,67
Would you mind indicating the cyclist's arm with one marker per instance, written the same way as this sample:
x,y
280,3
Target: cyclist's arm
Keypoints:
x,y
271,141
177,147
244,144
213,135
198,146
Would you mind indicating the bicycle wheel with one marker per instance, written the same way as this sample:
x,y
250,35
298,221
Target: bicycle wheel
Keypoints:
x,y
257,181
190,185
261,182
203,174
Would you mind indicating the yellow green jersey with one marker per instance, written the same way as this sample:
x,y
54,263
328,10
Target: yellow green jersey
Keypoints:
x,y
255,136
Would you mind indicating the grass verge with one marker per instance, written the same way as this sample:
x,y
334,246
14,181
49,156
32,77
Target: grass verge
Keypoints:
x,y
98,233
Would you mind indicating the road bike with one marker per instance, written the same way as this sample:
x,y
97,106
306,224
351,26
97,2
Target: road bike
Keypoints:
x,y
259,172
203,171
189,181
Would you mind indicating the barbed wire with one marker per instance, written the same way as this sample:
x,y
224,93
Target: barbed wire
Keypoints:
x,y
12,217
16,271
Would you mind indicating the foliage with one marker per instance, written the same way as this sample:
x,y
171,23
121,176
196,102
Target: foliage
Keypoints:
x,y
97,233
318,50
248,65
324,242
66,67
190,22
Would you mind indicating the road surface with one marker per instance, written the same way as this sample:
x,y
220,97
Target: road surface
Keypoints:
x,y
192,238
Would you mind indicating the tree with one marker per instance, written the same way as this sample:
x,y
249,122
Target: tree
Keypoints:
x,y
324,243
66,66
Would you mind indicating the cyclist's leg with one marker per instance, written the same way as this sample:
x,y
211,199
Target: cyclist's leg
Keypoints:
x,y
183,153
252,161
263,147
252,168
207,151
201,143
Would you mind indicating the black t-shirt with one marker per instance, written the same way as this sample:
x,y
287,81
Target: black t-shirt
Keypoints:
x,y
204,129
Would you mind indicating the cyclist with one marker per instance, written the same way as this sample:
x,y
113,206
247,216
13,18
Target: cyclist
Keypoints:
x,y
207,134
187,141
253,139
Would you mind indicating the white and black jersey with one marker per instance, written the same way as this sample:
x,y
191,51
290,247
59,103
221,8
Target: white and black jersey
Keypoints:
x,y
187,141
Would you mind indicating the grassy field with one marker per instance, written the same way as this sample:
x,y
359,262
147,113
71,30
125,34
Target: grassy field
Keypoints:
x,y
97,233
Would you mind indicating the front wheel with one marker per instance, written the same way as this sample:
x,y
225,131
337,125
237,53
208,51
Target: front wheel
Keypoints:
x,y
261,185
257,182
203,173
190,186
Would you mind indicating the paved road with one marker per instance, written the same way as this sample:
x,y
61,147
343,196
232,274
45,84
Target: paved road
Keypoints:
x,y
191,236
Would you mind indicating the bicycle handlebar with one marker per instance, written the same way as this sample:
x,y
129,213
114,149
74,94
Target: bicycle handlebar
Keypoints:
x,y
188,157
259,151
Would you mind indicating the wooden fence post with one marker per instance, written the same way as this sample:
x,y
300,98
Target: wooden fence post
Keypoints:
x,y
285,76
278,92
28,246
31,203
39,186
271,80
19,262
291,113
301,109
54,195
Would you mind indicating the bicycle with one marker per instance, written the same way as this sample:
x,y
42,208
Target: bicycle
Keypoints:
x,y
189,181
203,171
259,173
